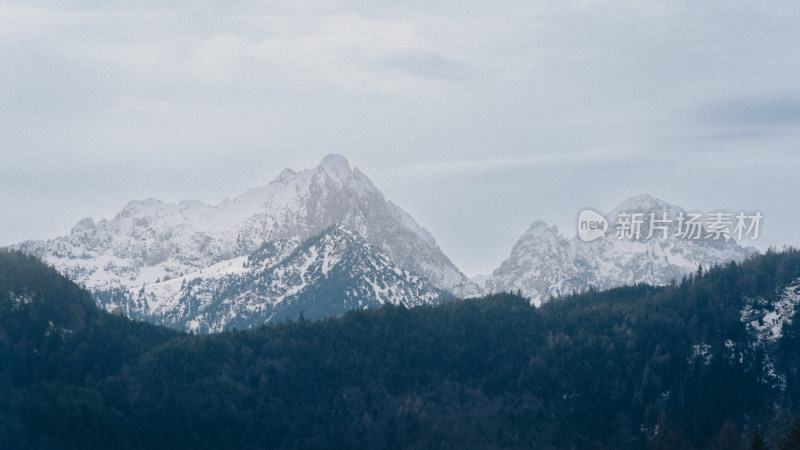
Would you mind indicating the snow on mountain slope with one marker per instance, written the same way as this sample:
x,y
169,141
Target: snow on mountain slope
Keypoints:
x,y
171,263
544,263
766,321
150,240
324,276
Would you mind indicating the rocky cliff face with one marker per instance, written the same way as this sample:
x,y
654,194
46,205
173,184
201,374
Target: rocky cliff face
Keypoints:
x,y
149,244
544,263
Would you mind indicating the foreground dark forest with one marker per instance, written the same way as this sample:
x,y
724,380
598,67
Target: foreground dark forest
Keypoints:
x,y
634,367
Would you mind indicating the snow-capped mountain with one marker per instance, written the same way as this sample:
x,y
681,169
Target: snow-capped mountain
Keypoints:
x,y
324,276
150,243
544,263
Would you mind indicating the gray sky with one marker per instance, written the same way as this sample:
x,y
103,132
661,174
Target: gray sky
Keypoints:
x,y
475,117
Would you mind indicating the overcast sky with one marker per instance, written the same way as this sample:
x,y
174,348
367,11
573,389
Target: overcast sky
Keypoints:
x,y
477,117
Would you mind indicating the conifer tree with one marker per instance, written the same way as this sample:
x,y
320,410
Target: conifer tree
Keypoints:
x,y
758,442
792,439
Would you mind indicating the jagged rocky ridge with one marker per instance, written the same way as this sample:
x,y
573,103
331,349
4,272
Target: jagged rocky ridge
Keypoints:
x,y
544,263
240,263
324,276
134,261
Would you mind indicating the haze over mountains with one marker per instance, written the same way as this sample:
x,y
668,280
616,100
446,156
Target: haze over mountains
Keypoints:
x,y
323,241
147,259
544,263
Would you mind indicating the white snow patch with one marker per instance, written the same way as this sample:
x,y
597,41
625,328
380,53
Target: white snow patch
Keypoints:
x,y
17,300
767,324
701,352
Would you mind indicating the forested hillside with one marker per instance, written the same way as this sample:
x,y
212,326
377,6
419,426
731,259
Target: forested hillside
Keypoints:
x,y
703,362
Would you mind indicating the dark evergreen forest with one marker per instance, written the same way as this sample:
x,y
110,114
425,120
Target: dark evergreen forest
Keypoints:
x,y
633,367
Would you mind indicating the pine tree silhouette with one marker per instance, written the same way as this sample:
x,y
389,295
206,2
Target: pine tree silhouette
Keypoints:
x,y
758,442
792,439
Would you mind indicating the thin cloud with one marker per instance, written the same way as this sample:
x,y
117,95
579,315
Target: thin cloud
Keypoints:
x,y
551,159
424,64
759,111
18,21
433,91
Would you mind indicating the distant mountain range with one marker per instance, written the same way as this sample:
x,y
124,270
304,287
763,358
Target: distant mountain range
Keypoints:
x,y
544,263
324,276
323,241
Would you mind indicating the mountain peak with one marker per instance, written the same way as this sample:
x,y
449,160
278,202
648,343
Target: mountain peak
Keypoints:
x,y
335,162
84,225
540,229
641,198
645,204
151,243
642,203
285,175
544,264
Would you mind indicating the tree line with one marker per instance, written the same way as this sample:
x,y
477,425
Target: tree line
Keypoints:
x,y
632,367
